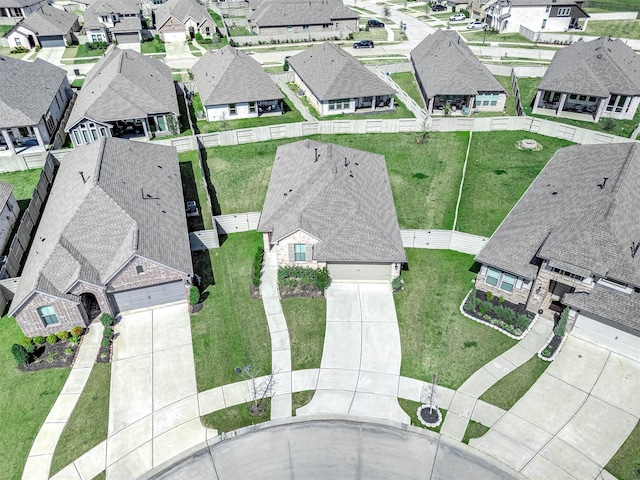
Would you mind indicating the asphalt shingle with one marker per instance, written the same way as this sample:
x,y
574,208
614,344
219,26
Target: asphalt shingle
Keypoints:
x,y
48,20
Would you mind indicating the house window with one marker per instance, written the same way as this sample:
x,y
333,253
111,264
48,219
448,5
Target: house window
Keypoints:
x,y
252,107
77,137
544,23
48,120
305,27
207,31
85,135
94,133
339,104
564,11
162,123
139,269
18,42
289,28
496,278
300,251
618,104
547,9
48,315
564,273
96,38
103,132
232,109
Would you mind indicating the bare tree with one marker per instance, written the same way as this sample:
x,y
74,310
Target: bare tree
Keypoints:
x,y
261,389
430,395
386,11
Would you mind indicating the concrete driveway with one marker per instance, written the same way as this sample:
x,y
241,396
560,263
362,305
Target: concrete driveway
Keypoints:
x,y
360,368
573,419
52,55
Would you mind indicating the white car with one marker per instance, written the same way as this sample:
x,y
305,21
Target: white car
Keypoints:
x,y
457,17
476,25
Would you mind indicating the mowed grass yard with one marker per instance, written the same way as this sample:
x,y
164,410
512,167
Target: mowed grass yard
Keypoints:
x,y
306,320
424,178
612,28
436,338
498,173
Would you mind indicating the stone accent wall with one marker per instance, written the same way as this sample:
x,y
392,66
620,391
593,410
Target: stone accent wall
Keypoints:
x,y
152,274
282,250
544,278
69,315
99,293
517,296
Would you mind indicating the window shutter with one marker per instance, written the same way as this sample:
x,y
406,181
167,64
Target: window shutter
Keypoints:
x,y
292,252
308,248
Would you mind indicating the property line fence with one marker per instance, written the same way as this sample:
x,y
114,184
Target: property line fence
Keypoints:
x,y
203,240
516,94
443,240
29,220
236,222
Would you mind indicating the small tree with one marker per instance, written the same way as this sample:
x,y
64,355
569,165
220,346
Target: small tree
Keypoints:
x,y
260,390
194,295
20,354
386,11
172,124
106,320
430,394
561,328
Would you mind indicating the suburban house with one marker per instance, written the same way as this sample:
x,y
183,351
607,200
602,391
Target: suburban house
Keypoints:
x,y
233,85
9,213
113,21
336,82
112,237
46,27
331,206
15,10
126,94
451,79
277,17
533,15
181,20
32,109
591,80
572,241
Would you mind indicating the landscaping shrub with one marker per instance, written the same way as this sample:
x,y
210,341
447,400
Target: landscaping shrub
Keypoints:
x,y
26,341
489,296
396,283
608,124
97,45
77,331
38,339
322,278
257,266
52,339
522,322
74,339
106,320
20,50
108,333
472,301
20,354
68,351
198,37
194,295
63,335
106,342
561,328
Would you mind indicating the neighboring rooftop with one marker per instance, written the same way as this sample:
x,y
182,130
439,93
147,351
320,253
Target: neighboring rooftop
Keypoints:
x,y
125,84
103,7
340,195
276,13
331,73
596,68
110,200
182,10
18,3
48,20
445,65
24,102
231,76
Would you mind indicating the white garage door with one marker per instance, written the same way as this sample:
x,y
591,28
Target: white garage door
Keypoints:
x,y
359,272
180,36
606,335
149,296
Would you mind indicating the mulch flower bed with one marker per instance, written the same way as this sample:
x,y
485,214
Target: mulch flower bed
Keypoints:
x,y
48,356
307,291
254,291
509,317
552,346
105,353
429,417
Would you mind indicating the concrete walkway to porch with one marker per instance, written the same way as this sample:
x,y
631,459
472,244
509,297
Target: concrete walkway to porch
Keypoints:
x,y
466,397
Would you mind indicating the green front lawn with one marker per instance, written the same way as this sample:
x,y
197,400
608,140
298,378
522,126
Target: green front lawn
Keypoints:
x,y
233,418
424,178
89,422
509,389
498,173
23,183
4,29
231,331
436,338
407,82
612,28
83,50
411,408
238,31
625,464
300,399
290,115
493,37
25,401
306,320
154,46
375,34
474,430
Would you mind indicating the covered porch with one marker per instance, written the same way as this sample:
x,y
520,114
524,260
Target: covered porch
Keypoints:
x,y
569,105
18,139
375,103
270,108
451,104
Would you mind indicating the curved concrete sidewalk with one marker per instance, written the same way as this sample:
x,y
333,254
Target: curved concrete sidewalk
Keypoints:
x,y
465,400
360,368
280,344
39,459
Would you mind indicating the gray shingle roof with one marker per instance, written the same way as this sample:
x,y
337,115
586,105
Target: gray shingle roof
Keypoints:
x,y
5,192
17,3
182,10
597,68
25,102
92,13
614,306
131,203
273,13
349,208
125,84
49,20
445,65
231,76
566,217
331,73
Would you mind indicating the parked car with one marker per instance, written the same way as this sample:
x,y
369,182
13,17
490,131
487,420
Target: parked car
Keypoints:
x,y
457,17
375,24
364,44
438,8
476,24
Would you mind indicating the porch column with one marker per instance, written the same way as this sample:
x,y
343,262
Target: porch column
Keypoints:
x,y
563,98
430,105
145,127
7,139
472,100
601,106
536,102
373,103
36,130
391,103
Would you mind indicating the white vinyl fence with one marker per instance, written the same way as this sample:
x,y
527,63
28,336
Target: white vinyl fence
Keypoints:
x,y
443,240
236,222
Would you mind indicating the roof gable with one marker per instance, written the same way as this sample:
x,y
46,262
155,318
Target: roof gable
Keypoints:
x,y
182,11
48,20
273,13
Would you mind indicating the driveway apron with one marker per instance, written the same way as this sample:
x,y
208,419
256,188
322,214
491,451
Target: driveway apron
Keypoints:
x,y
360,368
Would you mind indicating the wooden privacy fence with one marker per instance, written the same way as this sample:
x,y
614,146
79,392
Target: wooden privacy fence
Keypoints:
x,y
237,222
29,220
443,240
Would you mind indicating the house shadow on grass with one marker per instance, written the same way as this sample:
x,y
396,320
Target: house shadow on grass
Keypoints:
x,y
203,269
190,192
211,189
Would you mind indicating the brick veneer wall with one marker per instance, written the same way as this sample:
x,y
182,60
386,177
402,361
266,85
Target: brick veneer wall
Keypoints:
x,y
69,315
153,274
98,292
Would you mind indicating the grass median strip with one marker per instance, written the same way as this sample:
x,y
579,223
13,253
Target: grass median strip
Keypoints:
x,y
411,408
306,321
625,464
474,430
